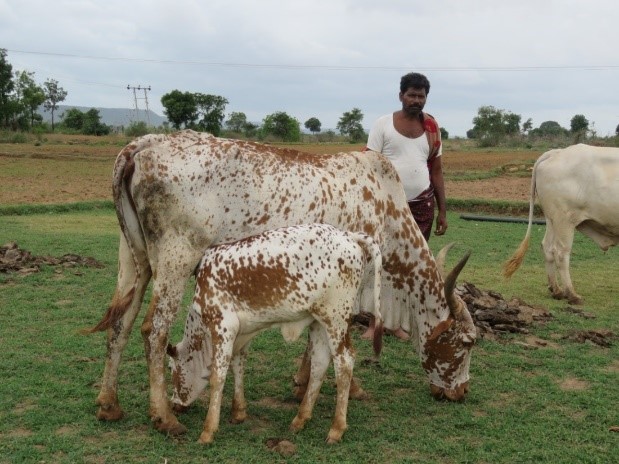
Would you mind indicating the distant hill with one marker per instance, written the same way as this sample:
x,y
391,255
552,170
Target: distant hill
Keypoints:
x,y
110,116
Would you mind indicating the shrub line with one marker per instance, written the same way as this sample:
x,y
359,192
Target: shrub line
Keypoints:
x,y
29,209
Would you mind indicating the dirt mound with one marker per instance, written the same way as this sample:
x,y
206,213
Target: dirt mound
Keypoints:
x,y
15,259
599,337
494,315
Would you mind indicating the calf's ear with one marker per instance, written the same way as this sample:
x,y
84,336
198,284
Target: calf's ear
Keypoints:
x,y
171,350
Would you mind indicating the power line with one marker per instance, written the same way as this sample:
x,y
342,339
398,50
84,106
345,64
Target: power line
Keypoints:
x,y
330,67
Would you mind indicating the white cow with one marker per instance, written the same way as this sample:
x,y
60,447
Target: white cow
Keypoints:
x,y
178,194
291,278
577,188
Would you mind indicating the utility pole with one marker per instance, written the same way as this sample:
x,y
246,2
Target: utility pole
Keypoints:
x,y
135,101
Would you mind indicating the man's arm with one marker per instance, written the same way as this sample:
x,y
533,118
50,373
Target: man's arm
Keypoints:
x,y
436,178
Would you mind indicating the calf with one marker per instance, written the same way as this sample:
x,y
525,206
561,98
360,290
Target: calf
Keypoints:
x,y
293,277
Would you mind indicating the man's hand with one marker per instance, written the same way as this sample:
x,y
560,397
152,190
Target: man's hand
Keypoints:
x,y
441,225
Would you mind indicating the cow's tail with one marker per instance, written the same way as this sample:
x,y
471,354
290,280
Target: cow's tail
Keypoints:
x,y
515,261
372,250
134,243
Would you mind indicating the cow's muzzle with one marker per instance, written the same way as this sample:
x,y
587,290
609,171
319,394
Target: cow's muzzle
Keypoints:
x,y
179,408
451,394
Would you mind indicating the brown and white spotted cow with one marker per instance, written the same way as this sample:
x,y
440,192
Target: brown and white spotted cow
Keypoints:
x,y
292,278
178,194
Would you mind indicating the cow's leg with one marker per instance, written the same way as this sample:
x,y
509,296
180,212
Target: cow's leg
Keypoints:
x,y
173,269
343,362
118,334
560,247
301,378
319,362
222,338
548,244
239,404
564,240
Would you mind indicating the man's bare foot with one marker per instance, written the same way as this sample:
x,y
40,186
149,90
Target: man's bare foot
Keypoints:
x,y
368,334
399,333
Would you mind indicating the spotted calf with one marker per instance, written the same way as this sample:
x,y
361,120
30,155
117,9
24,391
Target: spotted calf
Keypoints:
x,y
291,278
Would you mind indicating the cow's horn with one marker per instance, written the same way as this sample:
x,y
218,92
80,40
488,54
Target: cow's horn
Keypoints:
x,y
450,286
440,258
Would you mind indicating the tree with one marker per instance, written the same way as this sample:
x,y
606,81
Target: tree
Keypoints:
x,y
313,125
54,94
549,129
93,125
282,126
30,96
7,107
492,124
617,130
444,133
180,108
250,129
73,119
210,110
350,125
527,125
236,122
579,125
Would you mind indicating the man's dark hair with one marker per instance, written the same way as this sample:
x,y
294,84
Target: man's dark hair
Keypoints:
x,y
416,81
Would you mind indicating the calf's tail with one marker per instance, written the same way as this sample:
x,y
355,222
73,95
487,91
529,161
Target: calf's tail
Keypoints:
x,y
372,250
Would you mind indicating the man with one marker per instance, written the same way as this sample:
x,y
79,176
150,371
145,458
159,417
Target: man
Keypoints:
x,y
411,139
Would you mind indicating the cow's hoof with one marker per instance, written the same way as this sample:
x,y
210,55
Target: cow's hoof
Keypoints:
x,y
110,412
297,424
576,300
333,441
206,438
172,428
356,392
238,418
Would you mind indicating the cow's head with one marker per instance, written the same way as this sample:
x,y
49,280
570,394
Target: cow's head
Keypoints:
x,y
446,351
190,362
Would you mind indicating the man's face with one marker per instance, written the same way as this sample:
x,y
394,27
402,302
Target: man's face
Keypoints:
x,y
413,100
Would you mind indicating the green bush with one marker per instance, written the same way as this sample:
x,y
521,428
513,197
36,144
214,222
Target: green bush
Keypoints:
x,y
137,129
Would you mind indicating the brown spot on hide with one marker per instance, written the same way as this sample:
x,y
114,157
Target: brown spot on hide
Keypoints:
x,y
255,282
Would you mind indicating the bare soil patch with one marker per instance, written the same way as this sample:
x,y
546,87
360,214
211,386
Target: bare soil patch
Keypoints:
x,y
75,170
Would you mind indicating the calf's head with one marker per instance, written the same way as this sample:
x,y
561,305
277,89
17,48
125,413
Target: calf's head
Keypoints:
x,y
446,351
190,362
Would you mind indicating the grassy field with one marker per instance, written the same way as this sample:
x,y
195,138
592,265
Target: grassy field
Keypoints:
x,y
541,397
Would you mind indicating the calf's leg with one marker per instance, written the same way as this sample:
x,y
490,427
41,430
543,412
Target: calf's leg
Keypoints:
x,y
320,358
343,361
239,404
222,338
301,378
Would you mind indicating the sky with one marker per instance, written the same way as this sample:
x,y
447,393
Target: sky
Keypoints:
x,y
545,60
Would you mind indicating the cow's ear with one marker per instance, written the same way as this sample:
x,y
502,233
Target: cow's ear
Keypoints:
x,y
172,351
442,327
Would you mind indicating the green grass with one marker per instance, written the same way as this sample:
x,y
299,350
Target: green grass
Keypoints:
x,y
553,404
